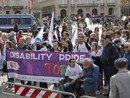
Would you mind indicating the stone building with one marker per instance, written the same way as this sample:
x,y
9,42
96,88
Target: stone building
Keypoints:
x,y
125,7
80,7
13,7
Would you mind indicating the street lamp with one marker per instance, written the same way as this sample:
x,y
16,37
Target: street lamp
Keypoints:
x,y
69,21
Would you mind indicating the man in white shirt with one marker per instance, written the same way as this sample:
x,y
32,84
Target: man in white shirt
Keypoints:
x,y
118,35
71,75
82,46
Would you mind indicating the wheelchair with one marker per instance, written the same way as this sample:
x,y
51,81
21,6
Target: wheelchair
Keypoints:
x,y
78,89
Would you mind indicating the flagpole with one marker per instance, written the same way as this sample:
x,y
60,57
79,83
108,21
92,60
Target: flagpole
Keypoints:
x,y
2,6
29,6
69,21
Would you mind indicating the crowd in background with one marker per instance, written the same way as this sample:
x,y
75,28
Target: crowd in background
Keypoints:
x,y
114,44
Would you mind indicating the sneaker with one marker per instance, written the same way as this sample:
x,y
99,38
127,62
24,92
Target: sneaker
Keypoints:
x,y
98,92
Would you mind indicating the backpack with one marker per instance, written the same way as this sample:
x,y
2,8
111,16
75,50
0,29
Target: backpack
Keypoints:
x,y
87,46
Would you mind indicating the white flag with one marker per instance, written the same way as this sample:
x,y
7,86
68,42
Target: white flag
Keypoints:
x,y
50,36
4,52
55,33
38,37
75,36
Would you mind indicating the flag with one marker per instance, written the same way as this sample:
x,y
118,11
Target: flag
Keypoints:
x,y
79,17
4,52
75,36
2,0
50,36
38,37
93,15
30,4
55,33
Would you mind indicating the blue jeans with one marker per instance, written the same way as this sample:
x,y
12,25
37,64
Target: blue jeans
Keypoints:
x,y
69,86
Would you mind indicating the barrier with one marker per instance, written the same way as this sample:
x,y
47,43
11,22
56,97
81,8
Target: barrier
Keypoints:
x,y
87,97
33,92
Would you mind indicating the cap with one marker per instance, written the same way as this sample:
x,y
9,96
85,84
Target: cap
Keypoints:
x,y
121,62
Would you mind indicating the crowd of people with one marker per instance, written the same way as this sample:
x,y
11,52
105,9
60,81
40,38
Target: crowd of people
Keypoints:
x,y
114,44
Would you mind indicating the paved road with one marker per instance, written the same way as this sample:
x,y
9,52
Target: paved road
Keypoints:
x,y
4,77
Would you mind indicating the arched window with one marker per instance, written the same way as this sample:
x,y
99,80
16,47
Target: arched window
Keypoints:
x,y
110,11
94,11
80,12
17,12
63,13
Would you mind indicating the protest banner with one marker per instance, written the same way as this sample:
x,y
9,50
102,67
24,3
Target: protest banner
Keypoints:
x,y
39,66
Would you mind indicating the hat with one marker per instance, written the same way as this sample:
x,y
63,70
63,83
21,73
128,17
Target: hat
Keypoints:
x,y
107,36
121,62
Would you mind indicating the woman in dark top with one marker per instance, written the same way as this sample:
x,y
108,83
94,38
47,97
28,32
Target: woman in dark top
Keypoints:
x,y
55,48
68,46
95,57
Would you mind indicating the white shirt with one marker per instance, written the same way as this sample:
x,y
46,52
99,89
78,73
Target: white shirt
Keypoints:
x,y
43,49
81,48
122,40
73,72
93,53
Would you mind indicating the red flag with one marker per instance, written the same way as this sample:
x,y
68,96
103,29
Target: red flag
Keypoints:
x,y
32,2
2,0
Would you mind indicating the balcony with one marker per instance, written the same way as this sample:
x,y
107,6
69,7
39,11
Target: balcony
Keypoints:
x,y
48,7
62,5
7,7
102,4
17,7
82,5
111,4
88,5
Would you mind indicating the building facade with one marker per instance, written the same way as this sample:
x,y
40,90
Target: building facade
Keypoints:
x,y
83,8
125,7
13,7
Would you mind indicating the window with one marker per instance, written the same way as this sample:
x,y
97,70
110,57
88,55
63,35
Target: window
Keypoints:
x,y
7,12
26,21
13,21
87,9
3,21
101,9
72,9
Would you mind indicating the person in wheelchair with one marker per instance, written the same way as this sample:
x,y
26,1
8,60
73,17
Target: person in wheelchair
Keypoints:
x,y
71,76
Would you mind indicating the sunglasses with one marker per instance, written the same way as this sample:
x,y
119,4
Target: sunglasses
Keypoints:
x,y
126,46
